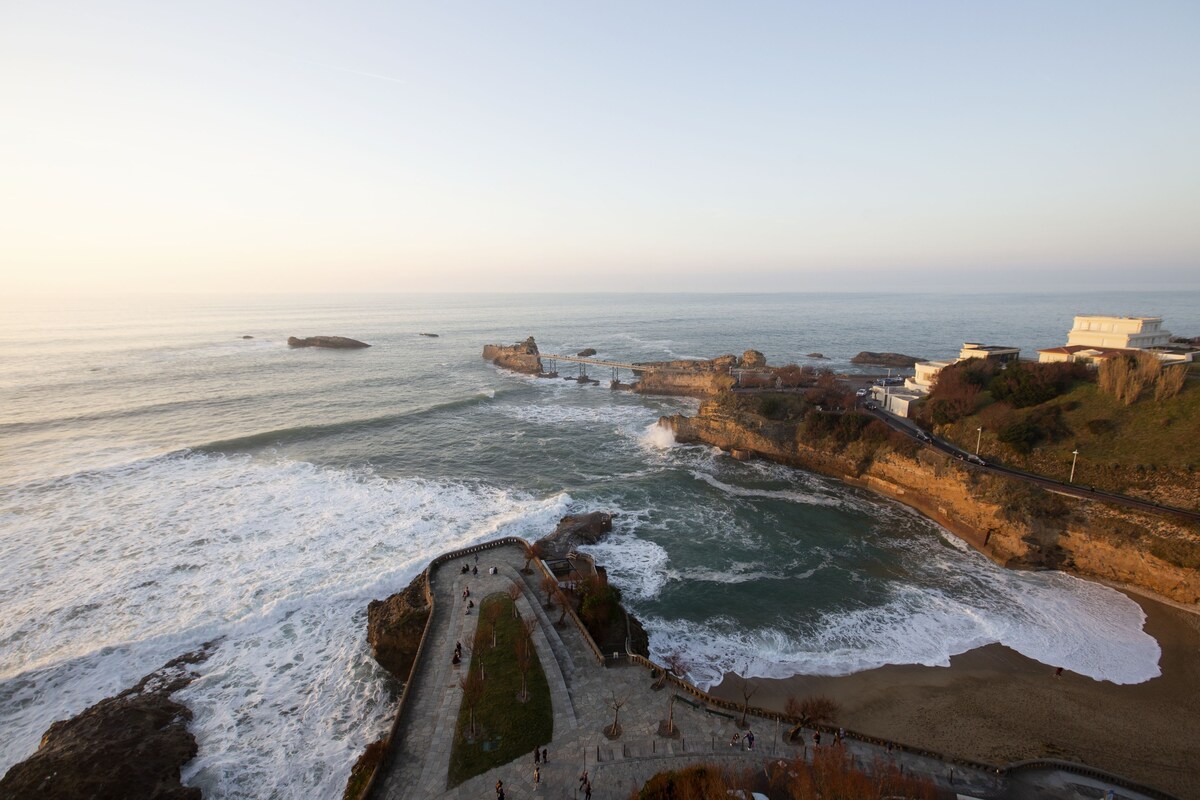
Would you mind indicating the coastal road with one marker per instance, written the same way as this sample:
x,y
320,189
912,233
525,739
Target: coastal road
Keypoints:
x,y
910,429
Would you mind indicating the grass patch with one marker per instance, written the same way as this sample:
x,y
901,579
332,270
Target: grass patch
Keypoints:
x,y
505,728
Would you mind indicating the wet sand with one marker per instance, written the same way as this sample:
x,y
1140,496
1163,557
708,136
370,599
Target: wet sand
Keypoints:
x,y
995,705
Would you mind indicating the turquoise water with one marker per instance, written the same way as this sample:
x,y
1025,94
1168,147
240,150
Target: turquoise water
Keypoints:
x,y
164,481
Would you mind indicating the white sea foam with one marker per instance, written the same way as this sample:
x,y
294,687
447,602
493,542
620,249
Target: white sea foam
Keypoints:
x,y
658,437
1050,617
636,566
105,575
806,498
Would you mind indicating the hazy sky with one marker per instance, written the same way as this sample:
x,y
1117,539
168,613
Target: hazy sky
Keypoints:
x,y
363,146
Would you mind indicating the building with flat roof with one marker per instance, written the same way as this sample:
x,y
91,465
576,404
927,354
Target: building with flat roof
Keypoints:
x,y
1134,333
1078,352
926,373
895,400
993,352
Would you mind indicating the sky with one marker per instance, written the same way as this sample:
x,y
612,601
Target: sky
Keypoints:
x,y
625,146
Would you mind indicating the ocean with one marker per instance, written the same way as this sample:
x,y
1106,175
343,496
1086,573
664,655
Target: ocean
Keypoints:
x,y
164,482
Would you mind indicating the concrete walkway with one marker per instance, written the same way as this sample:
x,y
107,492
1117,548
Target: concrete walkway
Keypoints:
x,y
581,692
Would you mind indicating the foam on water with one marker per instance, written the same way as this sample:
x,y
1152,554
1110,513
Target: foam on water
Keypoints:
x,y
107,574
1050,617
658,437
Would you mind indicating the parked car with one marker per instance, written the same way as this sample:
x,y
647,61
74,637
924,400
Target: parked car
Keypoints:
x,y
861,393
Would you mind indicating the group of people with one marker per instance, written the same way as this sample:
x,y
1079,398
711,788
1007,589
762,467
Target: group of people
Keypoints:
x,y
457,653
541,757
737,740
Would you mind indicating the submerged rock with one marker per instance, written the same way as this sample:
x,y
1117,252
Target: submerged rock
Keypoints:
x,y
247,336
884,359
817,355
430,335
395,627
127,747
520,357
335,342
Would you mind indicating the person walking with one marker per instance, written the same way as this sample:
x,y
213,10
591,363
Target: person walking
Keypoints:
x,y
545,756
499,788
583,779
537,756
587,791
537,778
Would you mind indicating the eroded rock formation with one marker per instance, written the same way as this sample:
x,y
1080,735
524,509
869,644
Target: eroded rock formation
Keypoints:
x,y
334,342
586,352
519,357
395,627
575,530
128,747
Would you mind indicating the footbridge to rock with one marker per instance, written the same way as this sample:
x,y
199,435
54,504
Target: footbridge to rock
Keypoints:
x,y
550,365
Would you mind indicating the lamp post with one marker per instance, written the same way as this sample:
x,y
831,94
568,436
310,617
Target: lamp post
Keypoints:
x,y
1074,457
978,439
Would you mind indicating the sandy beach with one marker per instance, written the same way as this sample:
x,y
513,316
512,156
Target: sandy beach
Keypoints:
x,y
996,705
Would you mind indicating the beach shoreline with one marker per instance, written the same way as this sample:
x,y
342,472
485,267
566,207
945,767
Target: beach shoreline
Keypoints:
x,y
995,705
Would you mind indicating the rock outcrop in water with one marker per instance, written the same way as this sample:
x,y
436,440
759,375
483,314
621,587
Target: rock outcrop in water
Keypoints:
x,y
520,357
884,359
586,352
128,747
395,627
334,342
575,530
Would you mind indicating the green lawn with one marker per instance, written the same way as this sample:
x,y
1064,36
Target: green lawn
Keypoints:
x,y
506,729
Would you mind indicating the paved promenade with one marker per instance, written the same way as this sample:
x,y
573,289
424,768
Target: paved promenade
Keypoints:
x,y
581,691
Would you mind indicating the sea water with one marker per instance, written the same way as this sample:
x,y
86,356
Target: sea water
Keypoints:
x,y
165,482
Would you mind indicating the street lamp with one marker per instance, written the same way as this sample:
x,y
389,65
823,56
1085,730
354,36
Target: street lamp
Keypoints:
x,y
1074,457
978,439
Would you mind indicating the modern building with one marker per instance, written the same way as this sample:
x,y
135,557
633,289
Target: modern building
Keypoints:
x,y
1131,333
895,400
993,352
1078,352
926,374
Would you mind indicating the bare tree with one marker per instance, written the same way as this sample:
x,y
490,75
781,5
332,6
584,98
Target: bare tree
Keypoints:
x,y
491,617
514,593
675,665
532,551
813,710
524,655
550,587
616,703
748,691
562,599
472,689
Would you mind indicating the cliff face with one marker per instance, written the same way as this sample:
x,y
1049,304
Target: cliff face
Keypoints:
x,y
991,512
694,378
520,357
129,746
395,626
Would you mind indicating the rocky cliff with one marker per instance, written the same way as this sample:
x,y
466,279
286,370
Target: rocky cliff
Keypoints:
x,y
333,342
573,531
519,357
127,747
395,627
1014,523
695,378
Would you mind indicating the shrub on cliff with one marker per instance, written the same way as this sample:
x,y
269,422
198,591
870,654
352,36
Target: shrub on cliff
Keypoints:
x,y
1023,385
1040,425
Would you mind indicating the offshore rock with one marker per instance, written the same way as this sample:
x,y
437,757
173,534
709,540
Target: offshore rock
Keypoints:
x,y
575,530
586,352
884,359
334,342
395,627
128,747
818,355
520,357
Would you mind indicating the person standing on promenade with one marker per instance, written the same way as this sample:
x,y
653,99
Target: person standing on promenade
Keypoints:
x,y
500,788
537,778
545,756
537,756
